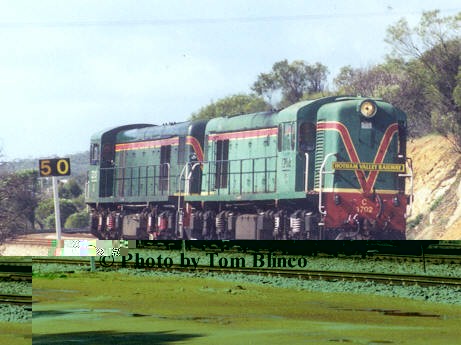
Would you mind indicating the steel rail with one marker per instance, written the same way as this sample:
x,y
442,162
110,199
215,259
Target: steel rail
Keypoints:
x,y
428,258
384,278
16,299
16,271
15,276
7,266
31,242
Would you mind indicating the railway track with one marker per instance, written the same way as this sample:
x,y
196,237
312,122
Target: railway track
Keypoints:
x,y
15,276
16,271
428,258
34,242
16,266
16,299
40,240
383,278
436,258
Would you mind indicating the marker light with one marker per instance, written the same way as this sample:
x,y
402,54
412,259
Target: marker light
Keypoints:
x,y
368,108
337,199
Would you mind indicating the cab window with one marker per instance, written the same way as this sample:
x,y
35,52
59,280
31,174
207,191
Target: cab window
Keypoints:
x,y
94,154
306,135
286,136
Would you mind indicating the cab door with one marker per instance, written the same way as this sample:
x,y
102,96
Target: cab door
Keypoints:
x,y
305,157
106,185
286,160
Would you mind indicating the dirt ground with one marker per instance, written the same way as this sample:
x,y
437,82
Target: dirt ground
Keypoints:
x,y
437,188
15,333
16,248
115,308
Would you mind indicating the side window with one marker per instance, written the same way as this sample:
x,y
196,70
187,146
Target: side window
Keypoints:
x,y
306,137
286,136
165,154
94,154
107,155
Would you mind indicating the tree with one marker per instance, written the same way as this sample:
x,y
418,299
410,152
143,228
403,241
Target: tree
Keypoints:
x,y
393,84
77,220
18,201
457,91
45,212
232,105
293,81
70,189
431,54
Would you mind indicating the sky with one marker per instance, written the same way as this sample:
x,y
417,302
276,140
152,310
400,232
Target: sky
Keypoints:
x,y
71,68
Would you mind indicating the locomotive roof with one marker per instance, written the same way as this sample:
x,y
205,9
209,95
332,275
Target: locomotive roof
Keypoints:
x,y
262,120
242,122
158,132
311,107
113,130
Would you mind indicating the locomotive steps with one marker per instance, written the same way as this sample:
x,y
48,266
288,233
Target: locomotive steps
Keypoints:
x,y
437,206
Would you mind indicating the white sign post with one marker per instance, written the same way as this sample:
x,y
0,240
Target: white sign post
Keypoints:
x,y
55,167
57,212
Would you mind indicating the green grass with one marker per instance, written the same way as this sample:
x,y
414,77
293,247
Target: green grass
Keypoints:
x,y
436,203
415,222
48,275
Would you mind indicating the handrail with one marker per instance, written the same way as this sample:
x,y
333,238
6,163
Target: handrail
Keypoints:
x,y
179,223
321,172
306,177
180,177
180,228
187,180
409,164
244,167
251,168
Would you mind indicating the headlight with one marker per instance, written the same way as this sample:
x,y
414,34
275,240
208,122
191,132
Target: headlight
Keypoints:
x,y
368,108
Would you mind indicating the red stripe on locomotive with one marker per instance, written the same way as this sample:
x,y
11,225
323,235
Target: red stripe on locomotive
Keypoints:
x,y
244,134
366,182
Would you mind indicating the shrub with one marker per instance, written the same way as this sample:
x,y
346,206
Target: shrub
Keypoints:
x,y
77,220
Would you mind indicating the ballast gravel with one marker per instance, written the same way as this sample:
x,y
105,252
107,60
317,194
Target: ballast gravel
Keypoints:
x,y
15,288
15,313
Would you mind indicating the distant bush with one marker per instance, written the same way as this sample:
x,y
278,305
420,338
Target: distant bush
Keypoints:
x,y
436,203
77,220
45,212
415,222
70,190
49,222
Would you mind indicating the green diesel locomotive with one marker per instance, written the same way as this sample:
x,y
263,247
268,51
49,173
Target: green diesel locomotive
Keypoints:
x,y
331,168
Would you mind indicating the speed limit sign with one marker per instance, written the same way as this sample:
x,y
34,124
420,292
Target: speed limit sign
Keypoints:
x,y
54,167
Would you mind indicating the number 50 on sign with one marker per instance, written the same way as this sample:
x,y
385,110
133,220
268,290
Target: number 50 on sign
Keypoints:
x,y
54,167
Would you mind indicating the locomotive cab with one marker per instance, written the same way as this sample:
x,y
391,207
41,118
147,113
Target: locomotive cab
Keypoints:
x,y
102,157
361,169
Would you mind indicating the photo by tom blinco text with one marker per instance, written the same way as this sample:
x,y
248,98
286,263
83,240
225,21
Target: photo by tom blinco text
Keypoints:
x,y
209,259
